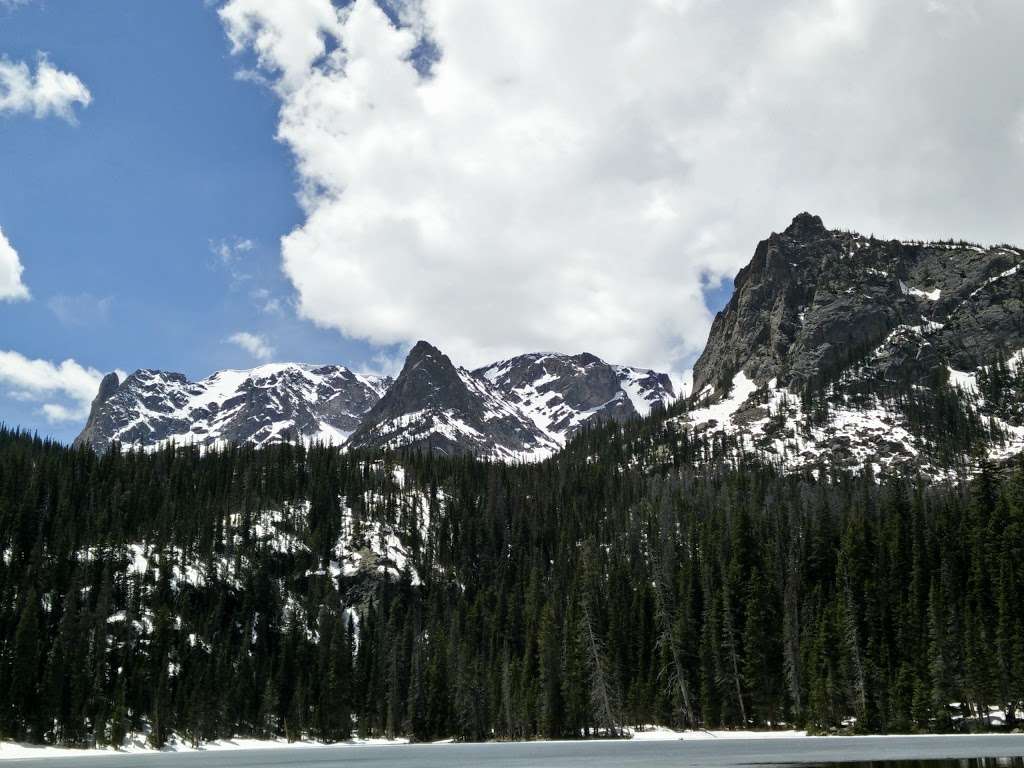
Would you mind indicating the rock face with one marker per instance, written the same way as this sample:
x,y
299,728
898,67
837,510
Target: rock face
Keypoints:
x,y
879,322
435,405
520,409
561,392
263,405
524,408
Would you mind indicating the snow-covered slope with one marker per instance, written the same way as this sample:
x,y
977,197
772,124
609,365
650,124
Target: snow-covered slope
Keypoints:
x,y
843,350
559,393
520,409
438,406
271,403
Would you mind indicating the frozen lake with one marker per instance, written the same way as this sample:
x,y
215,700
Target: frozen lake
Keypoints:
x,y
924,752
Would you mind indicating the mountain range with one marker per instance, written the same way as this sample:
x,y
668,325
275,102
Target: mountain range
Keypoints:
x,y
524,408
824,534
834,347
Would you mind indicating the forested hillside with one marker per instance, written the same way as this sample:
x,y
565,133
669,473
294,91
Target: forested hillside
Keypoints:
x,y
311,593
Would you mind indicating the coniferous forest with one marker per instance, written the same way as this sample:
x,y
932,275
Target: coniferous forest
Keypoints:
x,y
312,593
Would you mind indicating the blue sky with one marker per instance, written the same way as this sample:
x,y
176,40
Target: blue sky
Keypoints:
x,y
114,217
122,218
494,177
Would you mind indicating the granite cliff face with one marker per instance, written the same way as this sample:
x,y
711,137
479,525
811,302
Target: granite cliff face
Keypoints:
x,y
813,300
875,331
520,409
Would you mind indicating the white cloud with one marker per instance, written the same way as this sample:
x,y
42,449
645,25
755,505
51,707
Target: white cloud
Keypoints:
x,y
29,379
287,37
255,345
229,255
230,251
48,91
11,286
569,173
385,363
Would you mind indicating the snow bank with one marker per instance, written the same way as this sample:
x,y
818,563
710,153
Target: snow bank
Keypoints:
x,y
138,746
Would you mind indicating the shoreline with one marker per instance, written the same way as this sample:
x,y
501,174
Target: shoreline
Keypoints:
x,y
652,734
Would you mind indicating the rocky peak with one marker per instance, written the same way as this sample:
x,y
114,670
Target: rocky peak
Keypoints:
x,y
108,386
524,408
806,226
854,317
562,392
428,378
811,301
437,406
263,405
93,428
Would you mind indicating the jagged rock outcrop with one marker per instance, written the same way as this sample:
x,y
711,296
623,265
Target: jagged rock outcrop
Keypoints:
x,y
262,405
99,424
561,392
520,409
524,408
879,328
813,300
435,405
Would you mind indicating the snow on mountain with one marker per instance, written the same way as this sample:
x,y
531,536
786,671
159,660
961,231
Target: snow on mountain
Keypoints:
x,y
271,403
521,409
559,393
842,350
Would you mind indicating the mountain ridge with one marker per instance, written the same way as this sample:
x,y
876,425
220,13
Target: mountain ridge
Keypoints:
x,y
861,350
432,404
834,348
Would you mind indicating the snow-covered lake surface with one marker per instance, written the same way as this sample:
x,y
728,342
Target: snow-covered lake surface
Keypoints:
x,y
864,752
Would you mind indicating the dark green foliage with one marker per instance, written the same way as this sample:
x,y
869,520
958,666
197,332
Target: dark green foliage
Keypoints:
x,y
613,586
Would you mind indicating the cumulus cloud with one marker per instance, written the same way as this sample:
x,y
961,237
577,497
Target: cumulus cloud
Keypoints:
x,y
47,91
42,380
11,286
568,175
252,343
287,37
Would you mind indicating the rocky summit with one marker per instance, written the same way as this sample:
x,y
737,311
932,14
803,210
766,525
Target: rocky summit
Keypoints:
x,y
268,404
850,350
524,408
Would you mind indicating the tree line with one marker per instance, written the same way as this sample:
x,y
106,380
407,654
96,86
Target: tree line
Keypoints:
x,y
631,580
